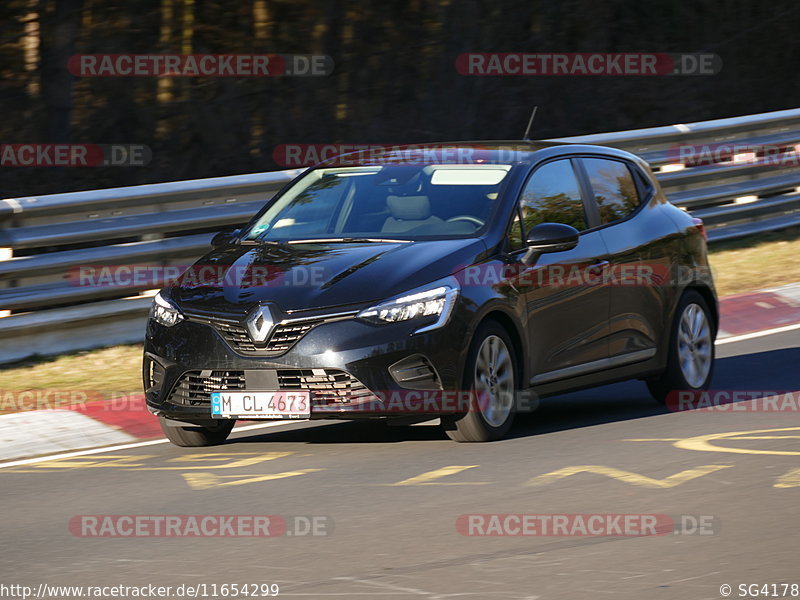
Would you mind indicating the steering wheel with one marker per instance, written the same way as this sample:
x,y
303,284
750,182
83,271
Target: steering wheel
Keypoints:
x,y
469,218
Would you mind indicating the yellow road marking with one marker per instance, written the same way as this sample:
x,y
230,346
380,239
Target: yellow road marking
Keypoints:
x,y
627,476
204,481
137,462
429,477
702,443
109,460
790,479
245,459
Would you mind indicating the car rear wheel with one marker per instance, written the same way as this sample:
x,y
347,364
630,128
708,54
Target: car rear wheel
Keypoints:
x,y
193,437
490,376
690,363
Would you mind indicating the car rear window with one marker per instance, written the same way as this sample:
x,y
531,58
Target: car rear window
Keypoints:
x,y
613,187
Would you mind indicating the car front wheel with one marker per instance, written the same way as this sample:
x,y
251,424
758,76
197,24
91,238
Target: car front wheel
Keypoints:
x,y
490,377
193,437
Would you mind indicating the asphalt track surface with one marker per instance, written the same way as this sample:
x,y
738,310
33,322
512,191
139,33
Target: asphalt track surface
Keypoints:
x,y
392,496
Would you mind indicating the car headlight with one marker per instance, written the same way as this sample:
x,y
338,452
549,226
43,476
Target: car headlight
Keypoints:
x,y
164,312
435,300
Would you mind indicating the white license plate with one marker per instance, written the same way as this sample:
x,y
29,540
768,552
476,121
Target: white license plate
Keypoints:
x,y
295,404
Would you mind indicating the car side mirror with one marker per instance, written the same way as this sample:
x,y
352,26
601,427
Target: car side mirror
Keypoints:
x,y
550,237
225,238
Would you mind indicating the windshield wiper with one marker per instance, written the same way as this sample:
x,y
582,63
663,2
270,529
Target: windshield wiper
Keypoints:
x,y
347,240
258,242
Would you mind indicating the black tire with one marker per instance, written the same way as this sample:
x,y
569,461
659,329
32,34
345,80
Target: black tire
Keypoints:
x,y
474,426
194,437
673,378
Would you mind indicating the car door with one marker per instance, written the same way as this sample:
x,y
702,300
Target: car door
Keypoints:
x,y
639,241
567,317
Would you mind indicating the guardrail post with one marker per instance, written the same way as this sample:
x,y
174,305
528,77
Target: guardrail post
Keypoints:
x,y
5,254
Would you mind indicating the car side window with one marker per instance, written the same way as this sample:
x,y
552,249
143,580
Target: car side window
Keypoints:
x,y
614,188
514,237
553,195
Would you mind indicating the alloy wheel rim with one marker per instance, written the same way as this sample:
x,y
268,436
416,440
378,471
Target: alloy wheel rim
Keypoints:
x,y
694,345
494,381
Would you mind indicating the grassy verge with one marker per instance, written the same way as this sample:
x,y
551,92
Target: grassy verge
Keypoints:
x,y
756,262
739,266
86,376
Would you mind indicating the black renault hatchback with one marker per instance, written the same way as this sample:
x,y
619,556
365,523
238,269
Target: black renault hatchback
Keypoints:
x,y
457,281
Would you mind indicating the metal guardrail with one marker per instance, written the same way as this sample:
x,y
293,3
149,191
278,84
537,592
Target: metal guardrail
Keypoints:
x,y
42,238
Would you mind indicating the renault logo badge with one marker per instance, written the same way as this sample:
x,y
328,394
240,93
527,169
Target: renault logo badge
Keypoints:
x,y
259,324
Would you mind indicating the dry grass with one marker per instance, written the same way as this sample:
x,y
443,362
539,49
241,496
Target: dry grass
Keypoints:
x,y
757,262
110,372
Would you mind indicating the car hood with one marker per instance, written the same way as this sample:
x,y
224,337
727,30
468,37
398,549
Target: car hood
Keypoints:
x,y
297,277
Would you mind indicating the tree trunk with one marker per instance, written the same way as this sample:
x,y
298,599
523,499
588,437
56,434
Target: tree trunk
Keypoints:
x,y
60,22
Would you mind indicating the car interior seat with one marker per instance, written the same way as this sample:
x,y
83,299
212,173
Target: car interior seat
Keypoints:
x,y
407,213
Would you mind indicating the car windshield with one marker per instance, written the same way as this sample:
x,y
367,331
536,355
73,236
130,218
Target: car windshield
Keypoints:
x,y
404,202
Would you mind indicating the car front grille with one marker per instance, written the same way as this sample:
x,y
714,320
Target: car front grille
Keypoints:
x,y
230,327
194,387
285,335
327,386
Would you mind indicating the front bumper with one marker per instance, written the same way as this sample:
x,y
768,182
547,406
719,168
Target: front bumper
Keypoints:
x,y
346,363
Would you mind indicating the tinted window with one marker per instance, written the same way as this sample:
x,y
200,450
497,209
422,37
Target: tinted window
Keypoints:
x,y
614,188
552,195
515,235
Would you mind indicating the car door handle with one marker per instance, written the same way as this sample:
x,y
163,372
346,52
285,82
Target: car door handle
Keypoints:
x,y
598,267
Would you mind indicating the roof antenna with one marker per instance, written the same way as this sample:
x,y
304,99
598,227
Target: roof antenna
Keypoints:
x,y
525,138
